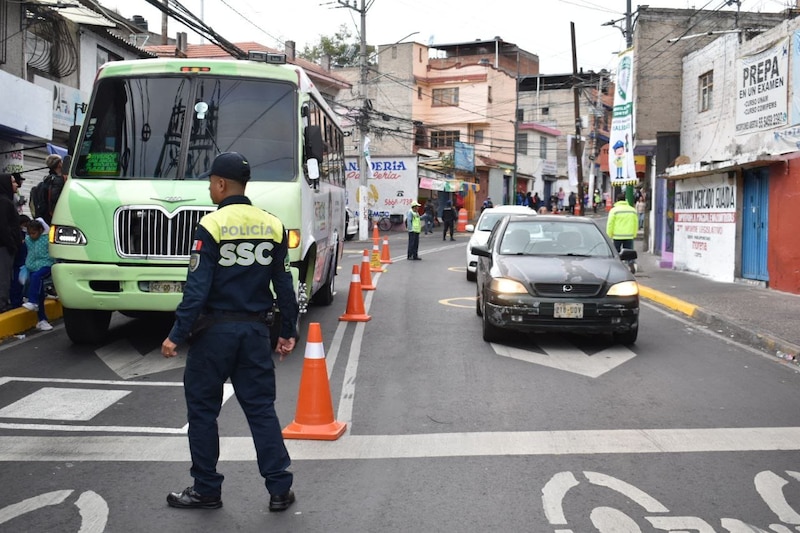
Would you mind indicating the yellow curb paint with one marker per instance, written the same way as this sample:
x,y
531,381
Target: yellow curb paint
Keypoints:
x,y
667,300
20,320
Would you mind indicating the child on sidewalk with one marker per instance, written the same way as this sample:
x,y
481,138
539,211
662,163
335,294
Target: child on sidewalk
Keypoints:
x,y
38,263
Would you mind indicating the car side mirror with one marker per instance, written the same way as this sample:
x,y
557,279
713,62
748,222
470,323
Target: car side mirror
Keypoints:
x,y
470,228
481,250
628,255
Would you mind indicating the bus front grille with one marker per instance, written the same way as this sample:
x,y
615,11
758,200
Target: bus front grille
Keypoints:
x,y
151,232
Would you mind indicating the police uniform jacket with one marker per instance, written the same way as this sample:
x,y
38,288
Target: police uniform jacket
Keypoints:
x,y
623,221
237,251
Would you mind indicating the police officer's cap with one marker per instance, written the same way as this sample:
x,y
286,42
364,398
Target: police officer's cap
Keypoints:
x,y
231,166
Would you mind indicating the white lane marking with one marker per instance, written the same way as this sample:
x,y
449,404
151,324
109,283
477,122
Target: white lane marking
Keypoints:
x,y
569,358
127,362
553,494
770,486
58,403
94,512
524,443
92,508
32,504
641,498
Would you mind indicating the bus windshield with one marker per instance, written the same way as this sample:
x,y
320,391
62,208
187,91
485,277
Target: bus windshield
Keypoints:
x,y
172,128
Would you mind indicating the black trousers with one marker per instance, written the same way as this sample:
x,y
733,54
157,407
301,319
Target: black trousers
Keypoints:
x,y
413,244
448,225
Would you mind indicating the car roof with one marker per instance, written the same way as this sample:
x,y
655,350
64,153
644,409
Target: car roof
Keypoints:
x,y
568,219
509,209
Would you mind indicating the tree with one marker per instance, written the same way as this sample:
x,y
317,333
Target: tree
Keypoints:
x,y
342,48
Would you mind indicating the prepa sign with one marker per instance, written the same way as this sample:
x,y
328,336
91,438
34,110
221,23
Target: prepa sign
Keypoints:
x,y
761,89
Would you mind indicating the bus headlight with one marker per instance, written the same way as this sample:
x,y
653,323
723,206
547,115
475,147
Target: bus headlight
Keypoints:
x,y
294,238
66,235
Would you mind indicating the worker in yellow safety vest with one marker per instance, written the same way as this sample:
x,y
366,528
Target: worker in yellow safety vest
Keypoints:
x,y
623,223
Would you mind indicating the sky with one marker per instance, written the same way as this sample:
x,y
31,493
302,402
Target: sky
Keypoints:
x,y
541,27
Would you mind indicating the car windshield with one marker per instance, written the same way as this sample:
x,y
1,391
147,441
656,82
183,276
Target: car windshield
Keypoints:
x,y
553,238
488,220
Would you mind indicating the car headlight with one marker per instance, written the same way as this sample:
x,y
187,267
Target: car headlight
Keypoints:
x,y
507,286
626,288
66,235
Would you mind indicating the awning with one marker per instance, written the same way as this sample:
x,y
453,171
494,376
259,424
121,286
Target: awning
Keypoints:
x,y
77,13
699,170
448,185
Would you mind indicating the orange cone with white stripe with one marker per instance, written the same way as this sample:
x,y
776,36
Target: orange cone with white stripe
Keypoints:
x,y
386,258
366,277
375,234
375,259
355,301
313,419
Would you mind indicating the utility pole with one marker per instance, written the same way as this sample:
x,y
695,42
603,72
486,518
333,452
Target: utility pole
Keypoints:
x,y
364,171
577,143
164,36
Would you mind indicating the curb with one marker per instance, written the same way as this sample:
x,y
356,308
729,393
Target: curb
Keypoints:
x,y
722,324
20,320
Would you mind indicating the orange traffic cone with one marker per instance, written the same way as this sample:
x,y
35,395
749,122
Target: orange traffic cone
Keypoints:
x,y
375,233
385,256
366,277
355,301
375,259
314,416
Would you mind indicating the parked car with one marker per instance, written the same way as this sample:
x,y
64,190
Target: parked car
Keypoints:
x,y
551,273
480,231
350,225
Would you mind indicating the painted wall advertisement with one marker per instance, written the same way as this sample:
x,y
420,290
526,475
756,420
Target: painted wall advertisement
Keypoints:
x,y
705,227
762,89
391,188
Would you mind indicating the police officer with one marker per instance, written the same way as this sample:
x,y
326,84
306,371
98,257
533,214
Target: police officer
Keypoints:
x,y
622,224
238,250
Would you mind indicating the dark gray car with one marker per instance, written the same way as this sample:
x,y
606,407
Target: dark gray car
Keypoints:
x,y
549,273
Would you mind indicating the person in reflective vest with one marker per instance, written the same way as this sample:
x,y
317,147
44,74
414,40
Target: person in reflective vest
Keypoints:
x,y
623,223
414,226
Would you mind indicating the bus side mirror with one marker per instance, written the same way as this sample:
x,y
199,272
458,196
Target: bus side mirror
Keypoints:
x,y
312,169
314,146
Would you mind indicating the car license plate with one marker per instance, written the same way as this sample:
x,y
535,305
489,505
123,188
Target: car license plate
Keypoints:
x,y
166,286
568,311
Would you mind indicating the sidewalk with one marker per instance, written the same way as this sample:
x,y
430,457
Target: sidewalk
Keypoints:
x,y
762,318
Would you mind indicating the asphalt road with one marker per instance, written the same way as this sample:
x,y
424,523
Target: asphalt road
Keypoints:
x,y
685,431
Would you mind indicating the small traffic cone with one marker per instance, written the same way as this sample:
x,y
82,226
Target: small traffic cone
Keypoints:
x,y
375,234
355,301
385,256
375,259
313,418
366,277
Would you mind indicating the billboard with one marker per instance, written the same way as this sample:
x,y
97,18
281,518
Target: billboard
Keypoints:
x,y
390,189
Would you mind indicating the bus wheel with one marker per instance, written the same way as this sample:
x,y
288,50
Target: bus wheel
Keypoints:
x,y
324,295
86,326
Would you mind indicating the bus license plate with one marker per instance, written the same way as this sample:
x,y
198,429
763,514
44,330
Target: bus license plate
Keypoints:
x,y
166,286
568,311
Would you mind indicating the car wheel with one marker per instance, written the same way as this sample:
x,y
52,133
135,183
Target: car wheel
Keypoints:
x,y
471,276
627,337
491,333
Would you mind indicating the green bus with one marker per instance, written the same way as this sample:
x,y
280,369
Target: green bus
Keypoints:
x,y
123,225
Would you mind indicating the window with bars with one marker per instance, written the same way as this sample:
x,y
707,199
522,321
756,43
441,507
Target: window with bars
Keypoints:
x,y
444,139
522,143
706,89
445,97
542,147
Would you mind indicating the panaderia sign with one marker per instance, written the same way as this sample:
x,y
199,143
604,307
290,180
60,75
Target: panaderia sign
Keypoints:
x,y
761,89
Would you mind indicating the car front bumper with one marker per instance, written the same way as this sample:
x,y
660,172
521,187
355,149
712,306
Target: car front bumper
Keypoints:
x,y
605,316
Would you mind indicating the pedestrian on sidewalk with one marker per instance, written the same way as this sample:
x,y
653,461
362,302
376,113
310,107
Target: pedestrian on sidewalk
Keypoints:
x,y
414,227
9,238
449,219
640,208
223,314
38,264
571,201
